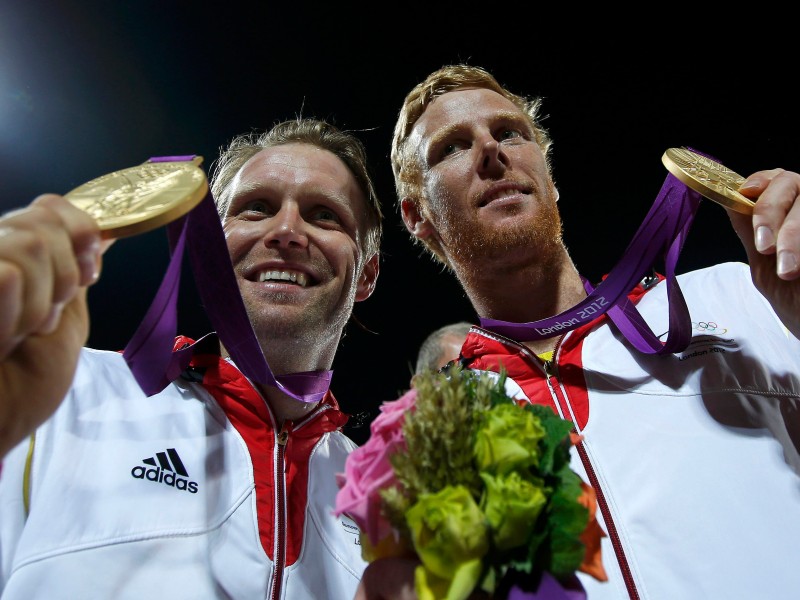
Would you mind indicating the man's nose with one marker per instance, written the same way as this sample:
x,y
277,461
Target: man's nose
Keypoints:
x,y
287,228
492,158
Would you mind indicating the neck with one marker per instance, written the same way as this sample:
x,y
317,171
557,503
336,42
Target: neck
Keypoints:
x,y
524,293
283,406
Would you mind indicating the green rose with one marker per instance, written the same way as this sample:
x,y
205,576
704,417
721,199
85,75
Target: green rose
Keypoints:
x,y
507,439
450,537
512,505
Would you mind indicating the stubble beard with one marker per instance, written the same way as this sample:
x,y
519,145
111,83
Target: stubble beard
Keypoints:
x,y
284,320
283,326
469,243
280,320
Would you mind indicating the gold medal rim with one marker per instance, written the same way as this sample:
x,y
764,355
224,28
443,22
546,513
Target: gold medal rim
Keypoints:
x,y
733,200
153,220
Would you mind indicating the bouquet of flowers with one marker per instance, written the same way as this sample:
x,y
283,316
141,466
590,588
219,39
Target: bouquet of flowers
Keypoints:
x,y
477,487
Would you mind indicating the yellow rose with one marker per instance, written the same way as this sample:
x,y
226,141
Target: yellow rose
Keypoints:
x,y
512,505
507,439
450,537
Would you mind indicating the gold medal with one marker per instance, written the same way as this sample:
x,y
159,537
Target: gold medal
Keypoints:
x,y
709,178
142,198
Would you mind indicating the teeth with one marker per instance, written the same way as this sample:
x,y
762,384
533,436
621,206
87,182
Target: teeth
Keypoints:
x,y
300,279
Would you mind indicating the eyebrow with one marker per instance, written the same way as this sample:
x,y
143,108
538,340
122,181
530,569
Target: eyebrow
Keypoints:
x,y
502,116
316,193
245,189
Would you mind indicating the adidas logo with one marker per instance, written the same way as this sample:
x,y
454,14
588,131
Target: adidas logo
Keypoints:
x,y
166,467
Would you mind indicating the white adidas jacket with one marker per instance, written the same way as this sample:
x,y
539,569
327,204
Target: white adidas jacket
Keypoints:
x,y
190,493
695,456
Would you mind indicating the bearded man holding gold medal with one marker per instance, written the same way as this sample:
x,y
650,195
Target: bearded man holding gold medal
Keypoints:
x,y
184,468
684,389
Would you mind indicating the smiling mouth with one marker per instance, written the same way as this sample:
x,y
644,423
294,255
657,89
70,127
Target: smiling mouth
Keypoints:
x,y
281,276
502,194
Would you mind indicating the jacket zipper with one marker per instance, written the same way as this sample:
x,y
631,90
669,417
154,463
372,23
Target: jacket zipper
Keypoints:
x,y
550,368
280,497
280,510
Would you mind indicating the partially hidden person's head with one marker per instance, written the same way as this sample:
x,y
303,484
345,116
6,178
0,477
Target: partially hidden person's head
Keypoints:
x,y
303,227
441,346
461,142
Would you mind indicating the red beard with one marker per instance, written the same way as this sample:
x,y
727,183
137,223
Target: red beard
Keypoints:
x,y
470,242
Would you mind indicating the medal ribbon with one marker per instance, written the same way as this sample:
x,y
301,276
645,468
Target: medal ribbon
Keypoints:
x,y
149,352
550,589
662,233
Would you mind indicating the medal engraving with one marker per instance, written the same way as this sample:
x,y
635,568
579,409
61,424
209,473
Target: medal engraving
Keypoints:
x,y
141,198
709,178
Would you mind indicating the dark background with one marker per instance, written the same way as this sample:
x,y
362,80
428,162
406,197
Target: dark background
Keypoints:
x,y
91,87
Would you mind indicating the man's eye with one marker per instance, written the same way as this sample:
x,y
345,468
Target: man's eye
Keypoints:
x,y
510,134
326,214
452,148
256,206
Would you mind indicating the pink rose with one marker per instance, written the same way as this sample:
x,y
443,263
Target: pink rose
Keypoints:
x,y
368,470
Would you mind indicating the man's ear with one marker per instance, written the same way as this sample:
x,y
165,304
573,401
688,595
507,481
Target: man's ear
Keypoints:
x,y
417,225
368,278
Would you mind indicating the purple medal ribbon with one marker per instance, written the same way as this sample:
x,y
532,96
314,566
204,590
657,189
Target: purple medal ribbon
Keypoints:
x,y
663,232
550,589
149,353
